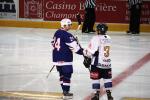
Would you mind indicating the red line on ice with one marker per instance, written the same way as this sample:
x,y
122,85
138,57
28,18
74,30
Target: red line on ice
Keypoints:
x,y
126,73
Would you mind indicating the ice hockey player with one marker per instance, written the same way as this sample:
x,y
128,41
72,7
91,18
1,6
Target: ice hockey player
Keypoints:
x,y
63,44
99,52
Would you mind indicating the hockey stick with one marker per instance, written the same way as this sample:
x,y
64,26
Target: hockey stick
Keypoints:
x,y
50,71
79,25
88,67
81,47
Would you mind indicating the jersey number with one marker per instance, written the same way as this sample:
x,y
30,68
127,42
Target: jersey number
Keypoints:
x,y
57,44
106,51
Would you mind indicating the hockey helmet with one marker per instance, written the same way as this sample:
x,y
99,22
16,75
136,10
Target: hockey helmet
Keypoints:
x,y
102,28
66,22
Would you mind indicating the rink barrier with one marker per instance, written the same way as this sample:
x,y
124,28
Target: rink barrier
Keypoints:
x,y
30,95
56,25
132,98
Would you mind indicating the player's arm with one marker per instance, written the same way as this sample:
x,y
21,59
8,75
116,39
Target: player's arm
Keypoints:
x,y
74,45
92,49
53,41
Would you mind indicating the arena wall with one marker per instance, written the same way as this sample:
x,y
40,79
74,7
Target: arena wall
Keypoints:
x,y
48,13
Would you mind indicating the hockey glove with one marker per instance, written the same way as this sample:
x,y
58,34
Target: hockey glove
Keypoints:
x,y
87,62
96,53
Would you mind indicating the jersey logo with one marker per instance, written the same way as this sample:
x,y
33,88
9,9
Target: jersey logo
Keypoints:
x,y
71,38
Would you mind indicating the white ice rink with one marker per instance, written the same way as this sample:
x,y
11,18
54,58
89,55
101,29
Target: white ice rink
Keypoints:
x,y
25,60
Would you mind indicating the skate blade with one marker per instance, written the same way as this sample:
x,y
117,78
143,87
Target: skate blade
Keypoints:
x,y
67,97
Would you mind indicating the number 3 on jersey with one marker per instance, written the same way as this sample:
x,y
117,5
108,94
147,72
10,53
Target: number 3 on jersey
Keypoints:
x,y
56,44
106,51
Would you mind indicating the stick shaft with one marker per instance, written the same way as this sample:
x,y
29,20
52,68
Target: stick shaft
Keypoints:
x,y
50,71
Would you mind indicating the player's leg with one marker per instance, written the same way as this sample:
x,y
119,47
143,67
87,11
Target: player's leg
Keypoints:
x,y
131,23
107,75
59,69
67,73
66,86
86,21
133,19
96,88
95,76
137,19
92,18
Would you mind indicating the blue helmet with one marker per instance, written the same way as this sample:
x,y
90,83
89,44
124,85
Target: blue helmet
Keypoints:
x,y
102,28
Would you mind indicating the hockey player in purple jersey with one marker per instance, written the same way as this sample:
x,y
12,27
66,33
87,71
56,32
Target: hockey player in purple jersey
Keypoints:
x,y
64,44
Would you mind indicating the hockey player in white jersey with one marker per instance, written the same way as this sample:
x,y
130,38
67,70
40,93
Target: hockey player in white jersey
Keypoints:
x,y
99,52
64,43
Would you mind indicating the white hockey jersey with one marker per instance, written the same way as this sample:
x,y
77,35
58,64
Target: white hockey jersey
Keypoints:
x,y
102,43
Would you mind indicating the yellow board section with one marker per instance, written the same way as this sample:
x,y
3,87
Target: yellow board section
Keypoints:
x,y
30,95
129,98
56,25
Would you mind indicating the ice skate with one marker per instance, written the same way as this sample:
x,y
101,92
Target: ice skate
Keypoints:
x,y
109,95
110,98
67,95
96,96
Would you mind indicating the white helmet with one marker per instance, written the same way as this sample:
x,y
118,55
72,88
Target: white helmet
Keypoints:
x,y
66,22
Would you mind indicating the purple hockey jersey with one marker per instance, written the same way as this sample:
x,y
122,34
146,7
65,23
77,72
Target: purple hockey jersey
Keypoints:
x,y
63,44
